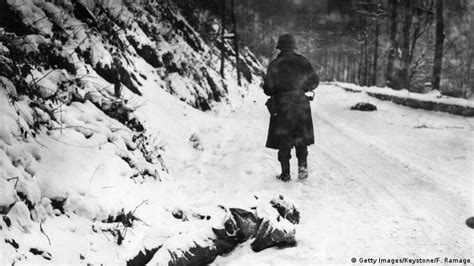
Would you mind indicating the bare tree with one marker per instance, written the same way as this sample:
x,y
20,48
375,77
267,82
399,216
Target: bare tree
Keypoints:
x,y
408,7
376,52
393,40
438,54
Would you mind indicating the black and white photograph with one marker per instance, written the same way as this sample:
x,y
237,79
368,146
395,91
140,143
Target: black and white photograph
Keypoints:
x,y
236,132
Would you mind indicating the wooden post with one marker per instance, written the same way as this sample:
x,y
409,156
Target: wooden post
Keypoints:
x,y
222,40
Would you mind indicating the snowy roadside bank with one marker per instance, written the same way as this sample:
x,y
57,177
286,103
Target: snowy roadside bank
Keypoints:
x,y
432,101
99,103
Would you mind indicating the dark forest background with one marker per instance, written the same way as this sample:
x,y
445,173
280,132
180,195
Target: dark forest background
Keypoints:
x,y
419,45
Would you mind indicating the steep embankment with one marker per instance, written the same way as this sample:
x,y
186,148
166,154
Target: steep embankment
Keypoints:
x,y
98,101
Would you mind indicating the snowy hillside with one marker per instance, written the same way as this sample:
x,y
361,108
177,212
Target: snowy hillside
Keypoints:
x,y
101,107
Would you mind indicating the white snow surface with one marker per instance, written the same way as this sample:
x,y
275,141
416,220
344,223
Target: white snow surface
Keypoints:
x,y
32,16
380,185
88,162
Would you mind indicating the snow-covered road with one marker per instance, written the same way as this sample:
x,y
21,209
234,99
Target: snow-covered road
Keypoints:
x,y
392,184
395,183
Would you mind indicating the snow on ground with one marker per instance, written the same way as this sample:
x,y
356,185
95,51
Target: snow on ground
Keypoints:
x,y
63,180
392,183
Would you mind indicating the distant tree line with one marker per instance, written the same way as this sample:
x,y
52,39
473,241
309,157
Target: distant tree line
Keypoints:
x,y
418,45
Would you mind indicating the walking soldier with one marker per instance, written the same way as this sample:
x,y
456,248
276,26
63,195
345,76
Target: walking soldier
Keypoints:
x,y
289,77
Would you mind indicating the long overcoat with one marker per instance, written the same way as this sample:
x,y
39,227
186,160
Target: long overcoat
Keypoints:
x,y
288,77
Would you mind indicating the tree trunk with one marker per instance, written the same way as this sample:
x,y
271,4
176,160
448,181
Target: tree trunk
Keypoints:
x,y
406,54
346,64
325,64
393,40
333,68
376,54
354,67
366,61
339,65
438,54
360,64
350,68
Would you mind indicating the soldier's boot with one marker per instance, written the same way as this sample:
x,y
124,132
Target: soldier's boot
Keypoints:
x,y
285,171
302,155
302,170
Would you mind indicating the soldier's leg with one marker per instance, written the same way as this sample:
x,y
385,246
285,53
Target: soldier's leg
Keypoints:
x,y
302,155
284,156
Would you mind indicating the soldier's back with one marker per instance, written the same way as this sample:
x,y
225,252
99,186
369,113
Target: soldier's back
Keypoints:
x,y
288,72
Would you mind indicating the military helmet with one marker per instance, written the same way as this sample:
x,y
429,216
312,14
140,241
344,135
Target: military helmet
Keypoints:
x,y
286,42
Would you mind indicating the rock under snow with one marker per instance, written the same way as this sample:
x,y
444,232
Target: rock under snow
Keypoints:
x,y
19,214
